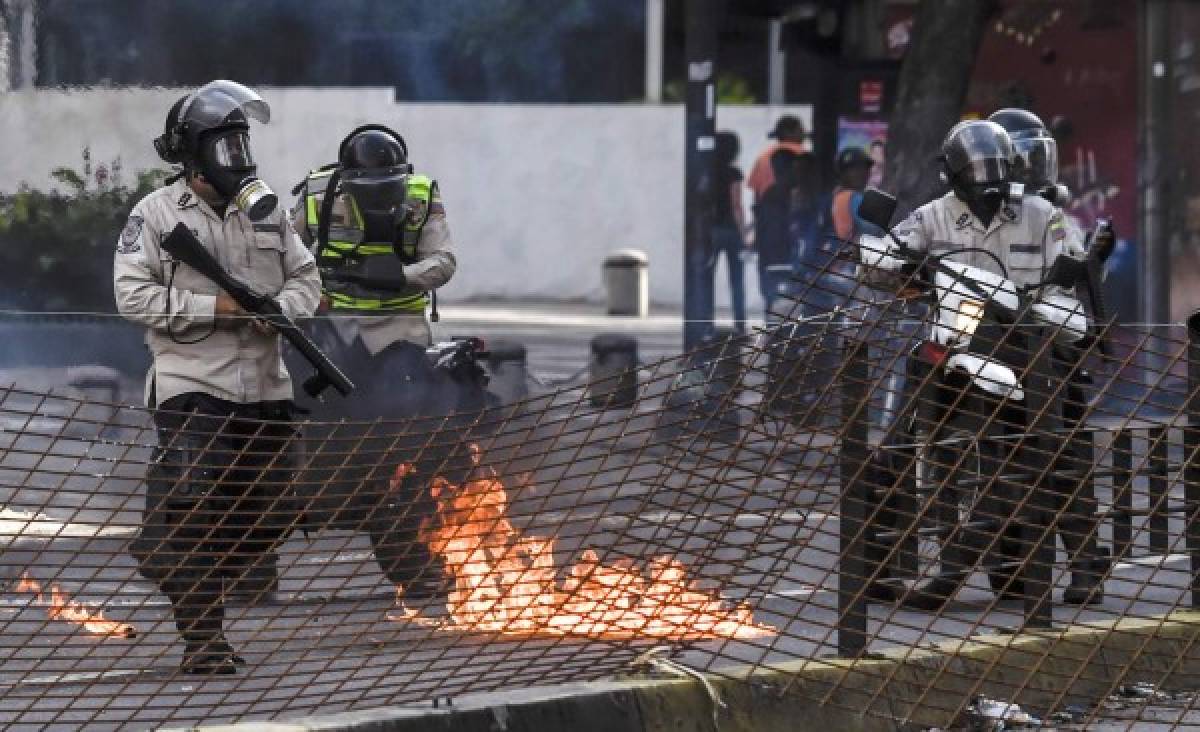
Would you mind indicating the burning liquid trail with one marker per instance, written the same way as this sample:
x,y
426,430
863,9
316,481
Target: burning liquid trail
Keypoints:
x,y
508,583
62,607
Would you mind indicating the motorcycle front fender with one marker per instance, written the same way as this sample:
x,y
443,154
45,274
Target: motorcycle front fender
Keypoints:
x,y
992,377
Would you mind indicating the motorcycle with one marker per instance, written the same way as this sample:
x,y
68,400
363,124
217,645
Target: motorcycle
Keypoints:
x,y
985,408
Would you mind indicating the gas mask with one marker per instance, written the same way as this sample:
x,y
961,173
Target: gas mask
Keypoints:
x,y
380,197
227,163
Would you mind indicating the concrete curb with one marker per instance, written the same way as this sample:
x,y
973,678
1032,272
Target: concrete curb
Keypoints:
x,y
926,687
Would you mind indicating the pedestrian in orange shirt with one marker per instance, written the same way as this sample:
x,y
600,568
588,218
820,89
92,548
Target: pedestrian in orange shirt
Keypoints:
x,y
791,136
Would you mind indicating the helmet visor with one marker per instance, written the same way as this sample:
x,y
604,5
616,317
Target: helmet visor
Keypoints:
x,y
984,171
223,102
1035,159
978,152
232,151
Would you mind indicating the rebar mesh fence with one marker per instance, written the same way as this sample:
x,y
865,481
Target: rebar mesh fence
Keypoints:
x,y
845,482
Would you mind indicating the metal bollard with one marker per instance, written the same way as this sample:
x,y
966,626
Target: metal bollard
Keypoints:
x,y
853,506
506,365
614,371
1191,459
1122,492
1158,520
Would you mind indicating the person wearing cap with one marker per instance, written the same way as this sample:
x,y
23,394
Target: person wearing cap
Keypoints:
x,y
853,169
789,134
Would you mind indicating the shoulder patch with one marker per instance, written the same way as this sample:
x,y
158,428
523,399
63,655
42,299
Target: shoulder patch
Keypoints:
x,y
1009,213
1058,227
963,221
184,199
131,236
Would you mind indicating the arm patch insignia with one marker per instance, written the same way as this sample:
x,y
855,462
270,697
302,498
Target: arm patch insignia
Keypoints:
x,y
131,236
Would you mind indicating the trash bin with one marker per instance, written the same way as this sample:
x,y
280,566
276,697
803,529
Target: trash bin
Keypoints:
x,y
627,282
614,371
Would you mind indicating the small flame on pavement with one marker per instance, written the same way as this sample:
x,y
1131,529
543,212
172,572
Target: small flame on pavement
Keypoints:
x,y
61,607
508,583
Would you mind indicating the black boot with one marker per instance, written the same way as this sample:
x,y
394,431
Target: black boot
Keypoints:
x,y
931,595
1087,581
212,657
881,592
1007,585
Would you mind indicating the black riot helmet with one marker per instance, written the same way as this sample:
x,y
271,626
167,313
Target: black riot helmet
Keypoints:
x,y
976,156
1035,153
373,170
372,146
207,132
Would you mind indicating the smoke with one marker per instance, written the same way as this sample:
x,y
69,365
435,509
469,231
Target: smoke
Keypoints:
x,y
450,50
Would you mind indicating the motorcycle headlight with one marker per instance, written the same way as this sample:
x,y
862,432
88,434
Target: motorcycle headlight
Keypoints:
x,y
966,320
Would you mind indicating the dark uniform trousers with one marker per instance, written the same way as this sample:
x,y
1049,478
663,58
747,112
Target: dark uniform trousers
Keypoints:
x,y
218,502
998,471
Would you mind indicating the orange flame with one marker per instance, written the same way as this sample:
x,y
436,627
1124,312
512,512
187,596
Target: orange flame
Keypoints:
x,y
62,607
507,583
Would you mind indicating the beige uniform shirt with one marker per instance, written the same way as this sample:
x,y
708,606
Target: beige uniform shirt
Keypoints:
x,y
1025,236
231,361
434,267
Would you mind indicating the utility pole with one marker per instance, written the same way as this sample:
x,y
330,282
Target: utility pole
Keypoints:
x,y
1156,133
655,22
18,44
701,24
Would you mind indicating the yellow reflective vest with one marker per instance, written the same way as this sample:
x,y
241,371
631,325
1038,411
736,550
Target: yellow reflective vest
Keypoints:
x,y
346,259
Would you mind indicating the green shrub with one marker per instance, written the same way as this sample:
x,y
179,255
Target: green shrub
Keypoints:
x,y
56,247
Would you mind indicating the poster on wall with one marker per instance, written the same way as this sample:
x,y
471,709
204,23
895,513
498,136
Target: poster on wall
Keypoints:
x,y
871,136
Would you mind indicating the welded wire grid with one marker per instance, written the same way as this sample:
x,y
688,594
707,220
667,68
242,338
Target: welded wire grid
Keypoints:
x,y
764,500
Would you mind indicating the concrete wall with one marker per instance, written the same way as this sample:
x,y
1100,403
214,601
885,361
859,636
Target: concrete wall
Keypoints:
x,y
537,194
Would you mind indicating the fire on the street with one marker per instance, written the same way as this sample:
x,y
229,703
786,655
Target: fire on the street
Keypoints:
x,y
508,583
61,607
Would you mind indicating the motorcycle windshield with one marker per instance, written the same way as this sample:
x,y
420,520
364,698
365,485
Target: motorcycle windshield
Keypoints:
x,y
212,104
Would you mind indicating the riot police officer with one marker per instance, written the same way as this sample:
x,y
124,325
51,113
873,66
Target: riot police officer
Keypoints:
x,y
383,246
980,223
1035,166
217,500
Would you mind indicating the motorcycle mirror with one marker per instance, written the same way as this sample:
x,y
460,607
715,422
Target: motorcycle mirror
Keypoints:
x,y
877,208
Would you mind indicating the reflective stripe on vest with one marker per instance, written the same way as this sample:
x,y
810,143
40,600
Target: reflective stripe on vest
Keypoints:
x,y
408,304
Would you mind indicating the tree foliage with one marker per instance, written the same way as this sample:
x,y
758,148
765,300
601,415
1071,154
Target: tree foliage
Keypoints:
x,y
56,246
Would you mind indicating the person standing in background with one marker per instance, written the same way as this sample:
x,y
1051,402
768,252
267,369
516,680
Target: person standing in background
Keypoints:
x,y
853,167
791,136
729,223
773,236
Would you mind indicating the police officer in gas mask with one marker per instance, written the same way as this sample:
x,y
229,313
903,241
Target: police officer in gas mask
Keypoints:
x,y
982,222
379,233
218,496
